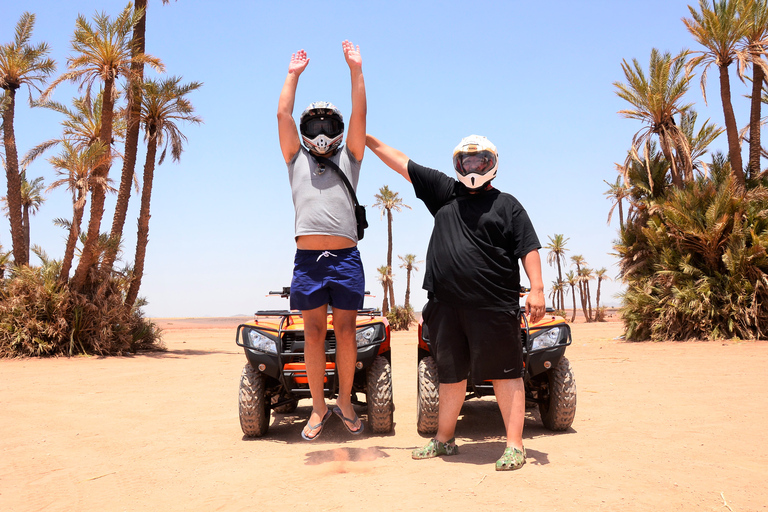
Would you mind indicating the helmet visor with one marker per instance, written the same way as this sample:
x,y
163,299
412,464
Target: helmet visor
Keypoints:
x,y
328,126
474,163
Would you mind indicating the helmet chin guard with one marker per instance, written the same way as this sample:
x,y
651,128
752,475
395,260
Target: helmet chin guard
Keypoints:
x,y
476,161
321,144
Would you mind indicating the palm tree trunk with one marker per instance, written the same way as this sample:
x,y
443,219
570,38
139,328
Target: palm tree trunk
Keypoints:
x,y
131,140
589,300
407,288
13,178
677,180
25,228
583,296
573,292
597,300
142,237
758,76
621,217
731,130
74,233
98,192
384,303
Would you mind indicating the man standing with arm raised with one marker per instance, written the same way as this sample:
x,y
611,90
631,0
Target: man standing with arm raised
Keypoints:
x,y
473,282
327,266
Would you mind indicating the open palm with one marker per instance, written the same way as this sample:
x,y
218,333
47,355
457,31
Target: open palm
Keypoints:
x,y
299,61
352,54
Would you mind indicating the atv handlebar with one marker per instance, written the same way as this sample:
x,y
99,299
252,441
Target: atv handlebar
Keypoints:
x,y
286,292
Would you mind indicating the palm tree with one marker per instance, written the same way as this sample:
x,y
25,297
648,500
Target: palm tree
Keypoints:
x,y
409,264
581,263
134,95
74,165
753,51
385,278
719,29
617,193
163,106
31,200
20,64
556,254
81,126
388,201
698,142
556,294
647,179
601,276
656,99
103,53
572,280
586,275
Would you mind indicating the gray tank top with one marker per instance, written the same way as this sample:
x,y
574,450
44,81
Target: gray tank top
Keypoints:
x,y
321,200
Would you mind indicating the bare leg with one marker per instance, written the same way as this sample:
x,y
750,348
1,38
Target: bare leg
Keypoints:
x,y
315,327
451,400
345,328
510,395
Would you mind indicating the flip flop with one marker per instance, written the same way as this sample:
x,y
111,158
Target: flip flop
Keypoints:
x,y
320,425
347,422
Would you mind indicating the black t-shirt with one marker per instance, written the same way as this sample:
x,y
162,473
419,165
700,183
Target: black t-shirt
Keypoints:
x,y
472,259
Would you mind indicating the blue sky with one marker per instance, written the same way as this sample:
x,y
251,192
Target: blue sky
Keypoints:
x,y
535,78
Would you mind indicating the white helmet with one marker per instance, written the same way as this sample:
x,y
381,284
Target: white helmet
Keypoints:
x,y
476,161
322,127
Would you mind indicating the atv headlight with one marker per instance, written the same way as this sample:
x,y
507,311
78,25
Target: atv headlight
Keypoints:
x,y
261,342
546,339
367,336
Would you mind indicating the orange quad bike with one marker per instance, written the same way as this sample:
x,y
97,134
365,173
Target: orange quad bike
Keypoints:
x,y
548,378
275,376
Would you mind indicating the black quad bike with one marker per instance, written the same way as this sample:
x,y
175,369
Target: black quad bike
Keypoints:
x,y
548,377
275,376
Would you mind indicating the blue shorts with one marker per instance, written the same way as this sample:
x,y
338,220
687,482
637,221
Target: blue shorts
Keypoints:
x,y
328,277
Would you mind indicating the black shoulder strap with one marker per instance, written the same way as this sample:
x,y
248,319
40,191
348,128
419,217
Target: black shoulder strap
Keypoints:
x,y
330,163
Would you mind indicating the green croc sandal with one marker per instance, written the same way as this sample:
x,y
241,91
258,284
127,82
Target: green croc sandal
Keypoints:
x,y
435,448
512,459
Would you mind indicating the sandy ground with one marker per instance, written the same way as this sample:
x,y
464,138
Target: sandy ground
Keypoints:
x,y
659,426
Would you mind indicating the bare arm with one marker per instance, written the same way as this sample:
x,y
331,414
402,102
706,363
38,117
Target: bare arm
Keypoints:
x,y
393,158
356,130
286,126
534,302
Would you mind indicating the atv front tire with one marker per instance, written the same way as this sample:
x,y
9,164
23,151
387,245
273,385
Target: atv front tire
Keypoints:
x,y
428,397
559,406
379,396
254,410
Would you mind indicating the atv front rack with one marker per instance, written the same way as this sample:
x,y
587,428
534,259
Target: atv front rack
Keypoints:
x,y
372,312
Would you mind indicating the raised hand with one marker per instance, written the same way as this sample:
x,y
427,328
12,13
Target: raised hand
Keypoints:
x,y
299,61
352,55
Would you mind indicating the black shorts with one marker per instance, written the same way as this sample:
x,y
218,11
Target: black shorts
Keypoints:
x,y
484,343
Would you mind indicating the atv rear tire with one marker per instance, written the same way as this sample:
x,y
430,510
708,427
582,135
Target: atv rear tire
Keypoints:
x,y
379,390
428,397
285,408
559,406
254,410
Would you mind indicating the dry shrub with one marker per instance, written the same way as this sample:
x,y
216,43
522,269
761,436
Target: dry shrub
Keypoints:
x,y
401,318
39,317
